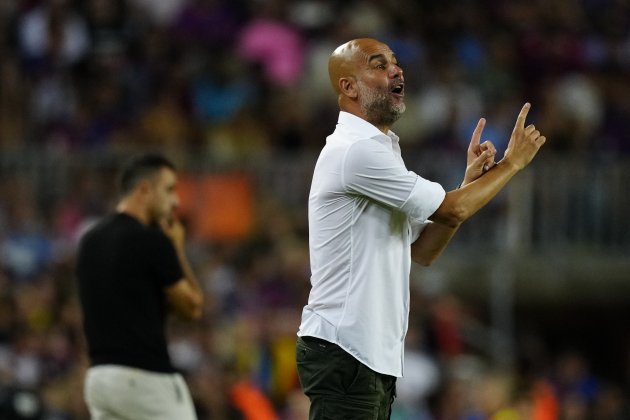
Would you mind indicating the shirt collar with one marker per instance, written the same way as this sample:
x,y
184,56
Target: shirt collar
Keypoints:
x,y
364,128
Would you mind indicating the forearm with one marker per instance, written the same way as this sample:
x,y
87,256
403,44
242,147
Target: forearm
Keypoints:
x,y
189,274
431,243
461,204
458,205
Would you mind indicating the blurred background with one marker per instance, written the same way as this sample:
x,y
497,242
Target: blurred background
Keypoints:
x,y
525,316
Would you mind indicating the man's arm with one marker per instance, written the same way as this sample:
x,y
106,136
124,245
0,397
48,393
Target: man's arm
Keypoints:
x,y
431,243
457,206
461,204
185,296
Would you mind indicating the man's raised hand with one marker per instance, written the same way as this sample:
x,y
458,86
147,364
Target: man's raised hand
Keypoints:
x,y
524,142
480,156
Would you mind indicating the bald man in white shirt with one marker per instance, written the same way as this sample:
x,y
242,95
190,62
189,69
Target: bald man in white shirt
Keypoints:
x,y
369,217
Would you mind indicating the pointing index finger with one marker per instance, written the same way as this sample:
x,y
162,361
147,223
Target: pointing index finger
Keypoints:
x,y
476,137
520,120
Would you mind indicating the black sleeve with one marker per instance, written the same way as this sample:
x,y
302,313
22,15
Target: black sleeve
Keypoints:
x,y
163,258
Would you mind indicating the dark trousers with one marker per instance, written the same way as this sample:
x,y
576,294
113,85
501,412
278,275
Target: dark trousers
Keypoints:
x,y
339,386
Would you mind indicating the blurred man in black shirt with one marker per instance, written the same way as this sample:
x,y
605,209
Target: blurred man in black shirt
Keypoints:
x,y
132,269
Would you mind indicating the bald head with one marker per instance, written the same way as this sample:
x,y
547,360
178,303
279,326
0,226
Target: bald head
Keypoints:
x,y
369,83
347,58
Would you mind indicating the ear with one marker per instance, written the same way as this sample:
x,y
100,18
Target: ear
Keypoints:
x,y
144,186
348,87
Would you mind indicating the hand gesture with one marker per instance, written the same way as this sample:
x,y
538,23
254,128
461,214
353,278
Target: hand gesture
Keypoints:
x,y
174,229
480,156
524,142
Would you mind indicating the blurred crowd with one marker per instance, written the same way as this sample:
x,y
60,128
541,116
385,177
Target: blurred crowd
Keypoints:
x,y
239,81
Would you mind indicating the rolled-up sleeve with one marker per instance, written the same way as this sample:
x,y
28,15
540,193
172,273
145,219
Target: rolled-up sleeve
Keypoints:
x,y
373,170
424,199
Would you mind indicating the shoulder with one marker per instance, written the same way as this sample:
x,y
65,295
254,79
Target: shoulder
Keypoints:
x,y
365,150
95,228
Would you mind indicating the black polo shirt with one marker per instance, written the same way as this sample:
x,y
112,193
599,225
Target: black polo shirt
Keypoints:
x,y
122,268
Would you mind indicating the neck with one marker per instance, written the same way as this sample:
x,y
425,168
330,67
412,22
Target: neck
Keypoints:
x,y
383,128
134,210
355,109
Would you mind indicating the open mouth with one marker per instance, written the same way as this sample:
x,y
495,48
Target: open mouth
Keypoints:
x,y
399,89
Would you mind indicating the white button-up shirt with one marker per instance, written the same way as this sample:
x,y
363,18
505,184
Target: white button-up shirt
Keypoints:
x,y
365,210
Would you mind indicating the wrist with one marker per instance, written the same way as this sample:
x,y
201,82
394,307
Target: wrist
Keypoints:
x,y
509,165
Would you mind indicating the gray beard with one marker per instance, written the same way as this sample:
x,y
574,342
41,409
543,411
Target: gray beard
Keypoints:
x,y
378,108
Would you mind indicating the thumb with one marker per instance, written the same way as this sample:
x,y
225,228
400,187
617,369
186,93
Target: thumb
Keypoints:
x,y
480,161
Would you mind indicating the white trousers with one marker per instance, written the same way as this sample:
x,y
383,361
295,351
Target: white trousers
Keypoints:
x,y
115,392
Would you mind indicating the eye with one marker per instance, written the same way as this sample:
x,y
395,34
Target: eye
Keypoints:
x,y
381,66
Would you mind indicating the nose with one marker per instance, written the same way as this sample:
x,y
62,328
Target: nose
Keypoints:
x,y
397,71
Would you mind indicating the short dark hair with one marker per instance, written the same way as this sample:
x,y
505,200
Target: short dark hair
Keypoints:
x,y
141,167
